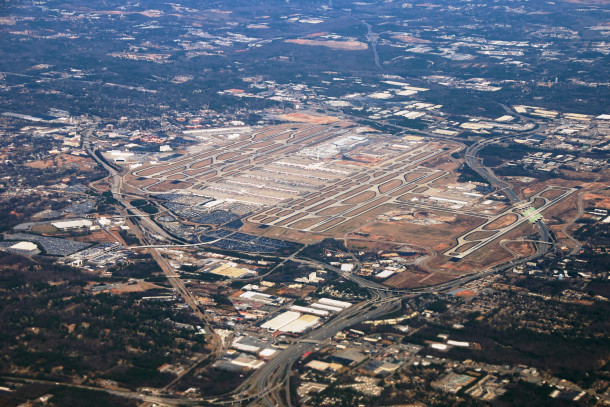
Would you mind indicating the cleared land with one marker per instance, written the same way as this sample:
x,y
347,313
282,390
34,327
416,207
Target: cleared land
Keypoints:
x,y
341,45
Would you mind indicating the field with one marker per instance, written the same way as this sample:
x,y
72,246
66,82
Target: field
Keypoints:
x,y
64,160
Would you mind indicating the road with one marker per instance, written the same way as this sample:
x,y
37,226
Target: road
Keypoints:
x,y
522,214
477,165
275,373
269,385
372,39
145,229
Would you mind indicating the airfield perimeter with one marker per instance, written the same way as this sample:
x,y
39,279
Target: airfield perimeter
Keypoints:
x,y
303,182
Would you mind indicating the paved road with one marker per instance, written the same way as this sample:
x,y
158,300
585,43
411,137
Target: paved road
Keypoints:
x,y
145,229
523,215
267,383
372,39
275,373
476,164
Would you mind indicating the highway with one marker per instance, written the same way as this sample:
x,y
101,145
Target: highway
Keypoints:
x,y
144,230
475,163
522,213
275,373
269,385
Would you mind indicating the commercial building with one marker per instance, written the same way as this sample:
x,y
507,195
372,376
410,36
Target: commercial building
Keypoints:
x,y
348,357
23,248
230,270
323,366
248,344
453,382
72,224
248,362
284,318
301,324
334,303
253,296
378,367
309,310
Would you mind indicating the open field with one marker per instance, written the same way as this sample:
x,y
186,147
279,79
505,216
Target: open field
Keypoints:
x,y
363,197
64,160
390,185
479,235
502,222
424,235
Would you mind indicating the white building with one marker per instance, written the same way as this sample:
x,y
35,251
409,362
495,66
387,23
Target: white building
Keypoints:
x,y
72,224
284,318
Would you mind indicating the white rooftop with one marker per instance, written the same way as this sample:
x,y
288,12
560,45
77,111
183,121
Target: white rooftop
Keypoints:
x,y
29,246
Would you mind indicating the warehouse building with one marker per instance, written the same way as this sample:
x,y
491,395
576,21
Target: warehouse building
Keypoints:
x,y
72,224
284,318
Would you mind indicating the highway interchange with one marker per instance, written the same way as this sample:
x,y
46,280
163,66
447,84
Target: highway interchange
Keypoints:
x,y
269,385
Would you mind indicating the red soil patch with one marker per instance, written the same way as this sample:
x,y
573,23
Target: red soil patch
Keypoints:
x,y
465,293
308,118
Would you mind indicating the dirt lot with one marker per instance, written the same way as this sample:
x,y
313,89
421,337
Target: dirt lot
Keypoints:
x,y
552,193
308,118
522,249
423,235
64,160
98,236
597,200
132,288
410,39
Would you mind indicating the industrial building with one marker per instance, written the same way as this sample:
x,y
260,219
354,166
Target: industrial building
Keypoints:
x,y
292,322
23,248
253,296
72,224
230,270
301,324
285,318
